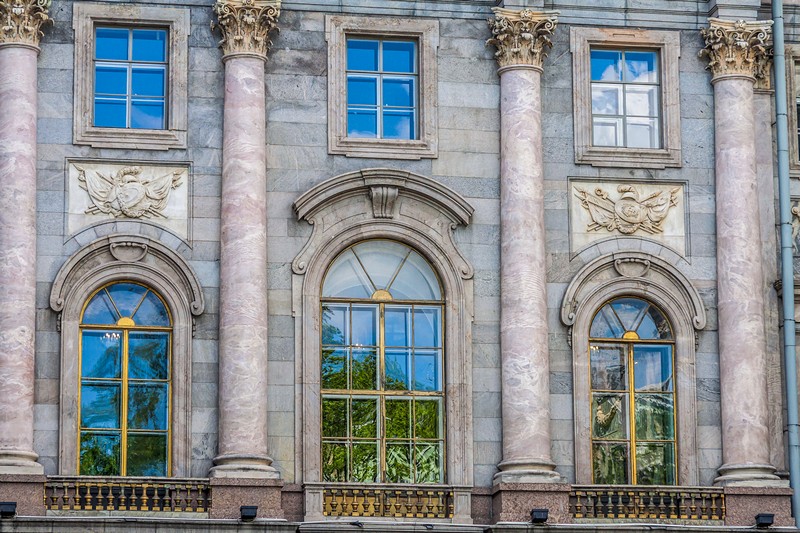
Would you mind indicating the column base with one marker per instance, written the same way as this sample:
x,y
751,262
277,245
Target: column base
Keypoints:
x,y
26,490
20,462
527,471
243,466
512,502
229,494
749,475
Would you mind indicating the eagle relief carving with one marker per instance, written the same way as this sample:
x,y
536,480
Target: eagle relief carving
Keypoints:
x,y
129,192
630,212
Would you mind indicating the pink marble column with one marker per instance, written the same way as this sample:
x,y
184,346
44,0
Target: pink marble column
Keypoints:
x,y
521,38
19,39
737,53
243,429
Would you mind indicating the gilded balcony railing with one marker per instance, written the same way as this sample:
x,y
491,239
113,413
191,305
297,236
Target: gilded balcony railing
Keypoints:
x,y
127,494
388,502
647,503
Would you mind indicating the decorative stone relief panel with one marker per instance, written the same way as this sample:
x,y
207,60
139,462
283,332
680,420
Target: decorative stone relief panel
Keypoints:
x,y
599,210
99,191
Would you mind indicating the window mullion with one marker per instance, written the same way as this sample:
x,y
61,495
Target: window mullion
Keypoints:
x,y
124,410
632,414
381,430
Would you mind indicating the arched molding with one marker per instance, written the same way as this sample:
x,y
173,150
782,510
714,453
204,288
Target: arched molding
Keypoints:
x,y
418,212
646,276
116,258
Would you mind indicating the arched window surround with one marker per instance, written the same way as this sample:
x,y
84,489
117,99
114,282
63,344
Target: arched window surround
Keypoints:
x,y
422,214
648,277
116,258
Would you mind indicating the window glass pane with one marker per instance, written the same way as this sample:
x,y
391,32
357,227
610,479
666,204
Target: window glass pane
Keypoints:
x,y
365,418
365,462
398,56
428,462
362,91
606,65
111,43
654,325
398,462
147,406
610,463
346,279
652,367
655,464
416,280
148,355
641,100
365,325
609,367
365,369
110,113
147,455
100,311
606,99
630,312
109,79
428,418
334,417
398,418
147,114
607,131
148,81
654,417
641,67
334,324
609,416
334,369
426,370
362,55
381,260
397,369
152,312
643,133
397,326
101,354
427,326
362,123
126,296
149,45
606,325
398,124
398,92
100,405
100,454
334,461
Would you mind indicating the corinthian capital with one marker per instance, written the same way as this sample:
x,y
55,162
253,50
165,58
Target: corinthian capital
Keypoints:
x,y
737,48
246,24
21,21
522,37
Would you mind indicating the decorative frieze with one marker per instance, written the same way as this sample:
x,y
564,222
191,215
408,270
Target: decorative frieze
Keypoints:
x,y
21,21
246,25
738,48
521,37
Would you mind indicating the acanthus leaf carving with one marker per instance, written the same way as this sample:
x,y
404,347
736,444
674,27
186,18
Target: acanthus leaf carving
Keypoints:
x,y
129,192
522,37
383,200
737,48
246,25
21,21
630,212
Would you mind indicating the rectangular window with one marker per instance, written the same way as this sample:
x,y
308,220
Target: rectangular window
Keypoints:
x,y
130,78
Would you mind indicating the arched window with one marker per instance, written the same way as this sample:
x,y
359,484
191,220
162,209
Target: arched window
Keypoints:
x,y
125,383
382,367
631,359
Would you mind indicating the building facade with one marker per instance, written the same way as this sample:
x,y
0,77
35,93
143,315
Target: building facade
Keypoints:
x,y
380,264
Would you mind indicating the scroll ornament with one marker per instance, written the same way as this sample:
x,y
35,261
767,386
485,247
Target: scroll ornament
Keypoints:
x,y
738,48
128,192
521,37
630,213
21,20
246,25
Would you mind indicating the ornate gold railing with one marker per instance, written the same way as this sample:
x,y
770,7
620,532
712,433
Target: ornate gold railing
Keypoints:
x,y
647,503
388,502
127,494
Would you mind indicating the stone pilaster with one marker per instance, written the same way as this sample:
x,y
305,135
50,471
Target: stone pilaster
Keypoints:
x,y
522,39
245,26
20,29
738,53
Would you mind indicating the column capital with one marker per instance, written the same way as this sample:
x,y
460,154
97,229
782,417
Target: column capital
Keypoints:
x,y
21,21
737,48
246,25
522,37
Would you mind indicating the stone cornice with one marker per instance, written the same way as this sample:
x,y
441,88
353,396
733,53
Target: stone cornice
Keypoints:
x,y
737,48
246,24
21,21
522,38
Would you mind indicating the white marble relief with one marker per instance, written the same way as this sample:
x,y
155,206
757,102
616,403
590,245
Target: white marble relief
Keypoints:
x,y
99,191
599,210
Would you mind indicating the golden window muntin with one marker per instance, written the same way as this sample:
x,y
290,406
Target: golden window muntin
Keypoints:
x,y
382,364
632,394
142,417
